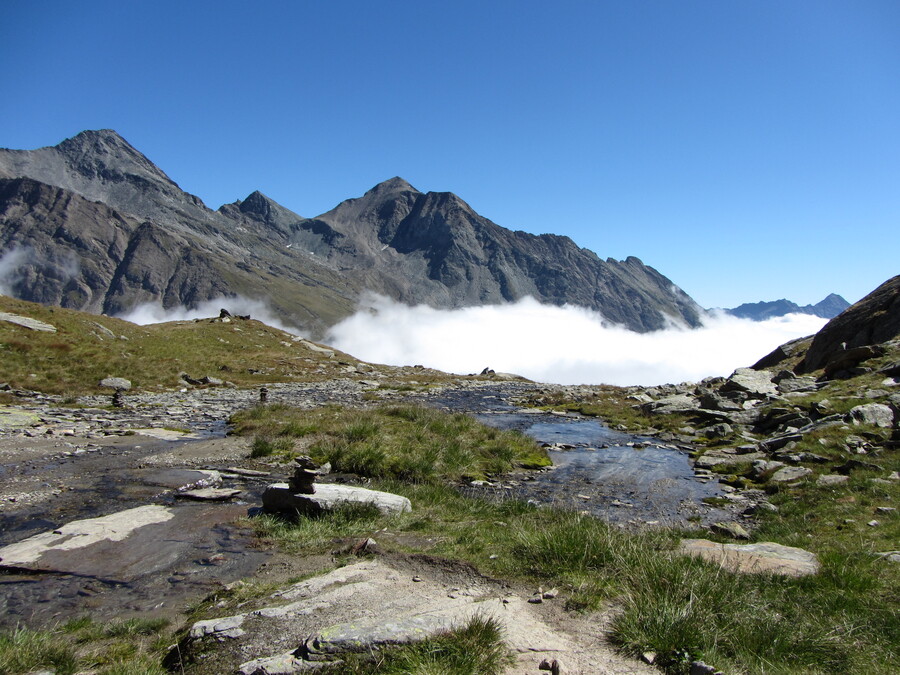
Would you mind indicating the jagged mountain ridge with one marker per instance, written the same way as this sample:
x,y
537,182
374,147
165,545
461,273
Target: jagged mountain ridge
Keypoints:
x,y
105,229
828,308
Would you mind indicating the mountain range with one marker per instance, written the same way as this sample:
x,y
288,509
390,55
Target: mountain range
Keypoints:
x,y
828,308
93,224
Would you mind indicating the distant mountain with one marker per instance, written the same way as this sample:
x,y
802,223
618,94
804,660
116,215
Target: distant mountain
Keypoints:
x,y
97,226
828,308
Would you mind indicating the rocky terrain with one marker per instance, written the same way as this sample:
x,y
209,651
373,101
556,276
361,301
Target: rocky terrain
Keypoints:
x,y
133,507
92,224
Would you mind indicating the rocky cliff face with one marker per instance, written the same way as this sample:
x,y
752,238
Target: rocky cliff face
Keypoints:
x,y
100,227
872,321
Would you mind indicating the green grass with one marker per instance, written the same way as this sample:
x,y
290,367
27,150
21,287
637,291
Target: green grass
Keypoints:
x,y
120,647
406,442
74,359
473,649
844,619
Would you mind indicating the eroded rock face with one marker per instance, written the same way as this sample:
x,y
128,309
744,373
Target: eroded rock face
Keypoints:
x,y
873,320
104,229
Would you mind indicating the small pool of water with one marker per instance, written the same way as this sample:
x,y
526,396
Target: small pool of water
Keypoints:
x,y
620,477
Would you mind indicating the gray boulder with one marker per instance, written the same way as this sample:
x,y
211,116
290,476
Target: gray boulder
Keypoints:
x,y
117,383
279,498
762,558
755,383
679,403
789,474
876,414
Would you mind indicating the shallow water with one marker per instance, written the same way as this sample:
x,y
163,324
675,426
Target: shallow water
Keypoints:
x,y
620,477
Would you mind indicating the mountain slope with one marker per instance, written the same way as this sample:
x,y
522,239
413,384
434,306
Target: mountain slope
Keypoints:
x,y
104,229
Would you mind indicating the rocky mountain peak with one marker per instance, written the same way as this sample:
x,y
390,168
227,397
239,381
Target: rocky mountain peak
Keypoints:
x,y
258,204
391,185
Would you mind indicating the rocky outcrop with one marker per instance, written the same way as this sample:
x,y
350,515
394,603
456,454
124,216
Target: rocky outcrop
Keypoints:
x,y
101,228
874,319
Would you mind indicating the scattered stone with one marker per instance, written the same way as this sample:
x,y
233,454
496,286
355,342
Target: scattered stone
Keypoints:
x,y
831,479
789,474
227,627
729,529
876,414
553,666
856,464
700,668
756,383
763,557
208,494
27,322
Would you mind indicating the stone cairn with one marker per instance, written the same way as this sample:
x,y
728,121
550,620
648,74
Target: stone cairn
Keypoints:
x,y
305,474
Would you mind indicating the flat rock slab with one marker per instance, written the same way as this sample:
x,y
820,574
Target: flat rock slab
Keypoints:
x,y
279,498
167,434
121,546
369,604
761,558
790,473
14,418
27,322
209,494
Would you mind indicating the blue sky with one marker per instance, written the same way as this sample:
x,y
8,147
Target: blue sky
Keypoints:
x,y
747,150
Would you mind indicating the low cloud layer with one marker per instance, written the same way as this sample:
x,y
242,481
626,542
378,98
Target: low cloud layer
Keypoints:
x,y
11,263
563,345
150,312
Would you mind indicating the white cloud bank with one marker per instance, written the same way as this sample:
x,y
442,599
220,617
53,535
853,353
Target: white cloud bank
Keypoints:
x,y
563,345
150,312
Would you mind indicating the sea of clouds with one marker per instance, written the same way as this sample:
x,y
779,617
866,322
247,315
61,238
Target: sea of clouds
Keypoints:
x,y
562,345
150,312
545,343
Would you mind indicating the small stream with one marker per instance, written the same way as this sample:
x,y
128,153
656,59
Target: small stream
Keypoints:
x,y
624,479
617,476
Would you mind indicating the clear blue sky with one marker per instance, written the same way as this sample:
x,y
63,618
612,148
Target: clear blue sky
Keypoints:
x,y
747,150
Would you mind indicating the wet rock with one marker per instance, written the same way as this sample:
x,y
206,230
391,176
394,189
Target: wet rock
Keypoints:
x,y
763,557
208,494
